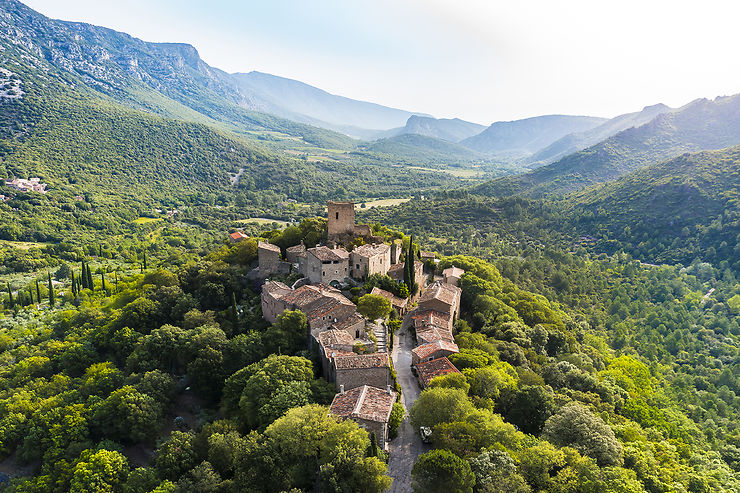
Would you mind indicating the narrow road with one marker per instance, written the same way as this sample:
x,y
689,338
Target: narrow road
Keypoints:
x,y
407,446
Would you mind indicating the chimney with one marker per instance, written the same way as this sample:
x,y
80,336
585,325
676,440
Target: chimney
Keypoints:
x,y
341,389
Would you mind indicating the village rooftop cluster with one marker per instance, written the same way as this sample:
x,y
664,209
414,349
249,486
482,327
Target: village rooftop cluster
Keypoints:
x,y
352,350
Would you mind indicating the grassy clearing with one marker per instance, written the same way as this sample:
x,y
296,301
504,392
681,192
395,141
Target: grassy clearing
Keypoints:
x,y
22,245
147,220
262,221
384,202
457,172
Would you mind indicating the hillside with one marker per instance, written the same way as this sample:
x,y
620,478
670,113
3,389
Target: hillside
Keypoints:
x,y
580,140
521,138
450,129
421,148
700,125
168,79
675,211
304,103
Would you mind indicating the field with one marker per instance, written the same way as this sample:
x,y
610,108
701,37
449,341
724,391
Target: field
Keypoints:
x,y
147,220
262,221
457,172
22,245
384,202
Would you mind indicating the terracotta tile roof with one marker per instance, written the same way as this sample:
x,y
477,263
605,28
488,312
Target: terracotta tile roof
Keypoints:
x,y
349,322
324,308
395,300
359,361
435,368
426,350
268,246
303,296
453,271
364,402
431,333
446,293
276,289
296,248
431,317
371,250
333,337
327,254
238,236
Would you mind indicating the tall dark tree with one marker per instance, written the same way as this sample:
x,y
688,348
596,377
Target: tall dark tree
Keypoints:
x,y
38,291
234,312
144,261
74,284
102,279
11,301
30,294
83,275
51,290
90,283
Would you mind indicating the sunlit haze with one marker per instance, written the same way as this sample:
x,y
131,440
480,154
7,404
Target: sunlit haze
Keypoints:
x,y
478,60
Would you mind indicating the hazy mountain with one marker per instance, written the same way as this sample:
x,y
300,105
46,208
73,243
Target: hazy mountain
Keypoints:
x,y
580,140
521,138
301,102
416,147
700,125
451,129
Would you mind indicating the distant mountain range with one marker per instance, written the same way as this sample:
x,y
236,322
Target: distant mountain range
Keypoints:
x,y
580,140
307,104
700,125
521,138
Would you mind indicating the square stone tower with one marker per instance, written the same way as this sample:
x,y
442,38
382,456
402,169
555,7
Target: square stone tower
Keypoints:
x,y
341,218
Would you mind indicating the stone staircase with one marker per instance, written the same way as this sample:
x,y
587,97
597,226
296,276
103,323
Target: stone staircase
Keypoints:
x,y
382,335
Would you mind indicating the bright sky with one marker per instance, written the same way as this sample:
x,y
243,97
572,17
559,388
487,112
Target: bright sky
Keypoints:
x,y
480,60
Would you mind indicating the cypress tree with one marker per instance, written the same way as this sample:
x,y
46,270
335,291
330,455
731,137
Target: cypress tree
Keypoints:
x,y
11,301
90,283
234,311
144,259
74,285
38,291
373,445
30,294
83,276
116,274
51,291
102,279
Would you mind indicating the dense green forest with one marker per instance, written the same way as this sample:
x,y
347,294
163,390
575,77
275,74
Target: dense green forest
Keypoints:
x,y
169,380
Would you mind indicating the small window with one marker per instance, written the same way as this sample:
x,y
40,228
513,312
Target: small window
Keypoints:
x,y
337,216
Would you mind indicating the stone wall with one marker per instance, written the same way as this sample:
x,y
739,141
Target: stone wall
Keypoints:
x,y
357,377
341,219
380,430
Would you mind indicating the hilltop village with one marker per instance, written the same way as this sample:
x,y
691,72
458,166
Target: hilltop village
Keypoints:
x,y
353,350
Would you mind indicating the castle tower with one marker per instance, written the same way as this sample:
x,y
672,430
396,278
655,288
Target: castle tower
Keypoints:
x,y
341,218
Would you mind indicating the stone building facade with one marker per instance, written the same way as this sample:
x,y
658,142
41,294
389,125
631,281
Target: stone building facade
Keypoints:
x,y
452,275
432,351
268,258
353,371
341,220
324,265
367,260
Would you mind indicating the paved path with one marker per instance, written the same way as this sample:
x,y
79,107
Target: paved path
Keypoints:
x,y
407,446
381,335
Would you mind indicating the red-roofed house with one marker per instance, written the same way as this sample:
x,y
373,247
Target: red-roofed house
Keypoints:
x,y
432,369
433,350
369,407
237,236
